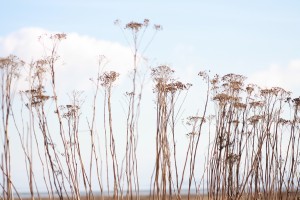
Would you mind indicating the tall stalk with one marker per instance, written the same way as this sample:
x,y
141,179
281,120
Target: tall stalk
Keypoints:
x,y
9,74
107,79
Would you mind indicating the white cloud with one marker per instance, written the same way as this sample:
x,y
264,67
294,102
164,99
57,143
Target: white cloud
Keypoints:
x,y
286,77
79,55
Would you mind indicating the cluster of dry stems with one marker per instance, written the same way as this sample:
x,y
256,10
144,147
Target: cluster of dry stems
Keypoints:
x,y
253,148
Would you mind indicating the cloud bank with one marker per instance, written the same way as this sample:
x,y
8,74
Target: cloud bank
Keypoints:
x,y
79,55
286,77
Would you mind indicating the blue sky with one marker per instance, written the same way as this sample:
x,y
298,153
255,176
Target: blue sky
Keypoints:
x,y
228,36
259,39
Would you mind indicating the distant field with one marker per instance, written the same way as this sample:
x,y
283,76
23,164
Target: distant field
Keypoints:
x,y
185,197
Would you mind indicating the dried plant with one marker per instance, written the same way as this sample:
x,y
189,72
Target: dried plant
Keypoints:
x,y
167,91
253,133
107,79
9,73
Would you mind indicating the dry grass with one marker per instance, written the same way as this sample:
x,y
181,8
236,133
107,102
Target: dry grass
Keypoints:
x,y
253,145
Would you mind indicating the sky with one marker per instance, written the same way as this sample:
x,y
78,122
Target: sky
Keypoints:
x,y
258,39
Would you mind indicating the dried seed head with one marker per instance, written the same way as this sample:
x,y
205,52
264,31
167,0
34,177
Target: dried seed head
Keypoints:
x,y
69,111
296,102
135,26
158,27
58,36
215,81
36,96
41,62
107,78
162,73
239,105
274,91
257,104
4,61
202,73
254,119
236,85
176,86
162,76
224,98
129,94
250,88
11,66
233,77
146,22
284,121
193,120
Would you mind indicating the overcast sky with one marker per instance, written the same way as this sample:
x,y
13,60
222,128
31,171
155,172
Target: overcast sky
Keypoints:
x,y
259,39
